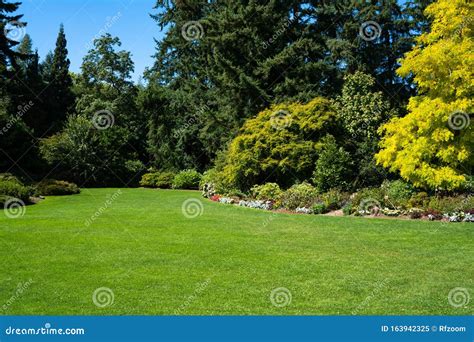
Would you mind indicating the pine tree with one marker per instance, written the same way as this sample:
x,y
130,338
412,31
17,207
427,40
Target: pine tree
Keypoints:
x,y
8,23
59,90
25,48
220,63
46,67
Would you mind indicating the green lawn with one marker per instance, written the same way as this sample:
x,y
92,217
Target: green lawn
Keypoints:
x,y
225,261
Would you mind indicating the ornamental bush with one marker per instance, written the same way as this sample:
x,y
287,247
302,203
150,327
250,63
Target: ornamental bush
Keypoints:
x,y
187,179
52,187
299,195
397,193
267,191
368,199
333,167
10,187
334,199
163,180
279,145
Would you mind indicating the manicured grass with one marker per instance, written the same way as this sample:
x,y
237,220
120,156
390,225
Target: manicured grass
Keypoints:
x,y
226,261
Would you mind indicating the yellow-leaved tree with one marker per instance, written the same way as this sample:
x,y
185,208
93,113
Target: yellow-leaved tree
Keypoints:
x,y
432,146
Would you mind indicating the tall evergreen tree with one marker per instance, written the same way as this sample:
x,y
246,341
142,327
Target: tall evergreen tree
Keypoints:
x,y
25,48
46,66
59,90
8,23
222,62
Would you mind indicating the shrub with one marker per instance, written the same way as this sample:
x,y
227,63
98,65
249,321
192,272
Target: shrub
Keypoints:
x,y
148,180
368,197
415,213
187,179
267,191
433,214
468,204
333,167
319,208
162,180
397,193
419,200
212,182
52,187
12,187
347,208
279,144
334,199
86,155
299,195
447,204
8,177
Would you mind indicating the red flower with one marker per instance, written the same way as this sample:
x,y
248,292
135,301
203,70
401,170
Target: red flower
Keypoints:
x,y
215,198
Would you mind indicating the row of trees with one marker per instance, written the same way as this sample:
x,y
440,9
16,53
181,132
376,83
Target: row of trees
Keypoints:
x,y
325,70
84,127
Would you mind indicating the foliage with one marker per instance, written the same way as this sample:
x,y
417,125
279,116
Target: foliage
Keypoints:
x,y
103,65
212,182
187,179
11,187
267,191
59,90
360,108
347,209
206,79
433,145
334,199
299,195
163,180
52,187
333,167
397,193
319,208
87,155
415,213
9,21
368,198
419,200
279,145
450,204
99,145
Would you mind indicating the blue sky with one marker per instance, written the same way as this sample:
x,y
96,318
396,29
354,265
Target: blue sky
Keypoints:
x,y
84,19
